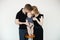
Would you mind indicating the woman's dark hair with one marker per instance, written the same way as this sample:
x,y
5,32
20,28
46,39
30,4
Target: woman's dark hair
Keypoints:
x,y
28,7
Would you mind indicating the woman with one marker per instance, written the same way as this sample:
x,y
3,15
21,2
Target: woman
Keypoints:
x,y
38,21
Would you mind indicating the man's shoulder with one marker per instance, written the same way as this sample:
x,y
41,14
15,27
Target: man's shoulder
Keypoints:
x,y
20,11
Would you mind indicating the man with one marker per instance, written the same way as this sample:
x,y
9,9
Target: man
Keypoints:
x,y
21,20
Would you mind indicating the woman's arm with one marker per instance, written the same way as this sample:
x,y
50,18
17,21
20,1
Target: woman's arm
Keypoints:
x,y
39,22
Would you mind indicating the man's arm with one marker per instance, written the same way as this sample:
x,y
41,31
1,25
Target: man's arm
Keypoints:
x,y
18,22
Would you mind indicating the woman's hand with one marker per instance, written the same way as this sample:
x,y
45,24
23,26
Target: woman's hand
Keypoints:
x,y
34,18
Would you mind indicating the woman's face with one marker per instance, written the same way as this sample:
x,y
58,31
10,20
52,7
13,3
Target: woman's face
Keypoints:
x,y
33,13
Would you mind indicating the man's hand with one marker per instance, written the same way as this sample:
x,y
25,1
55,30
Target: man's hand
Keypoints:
x,y
27,23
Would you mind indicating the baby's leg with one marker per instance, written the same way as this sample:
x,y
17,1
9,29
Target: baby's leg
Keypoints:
x,y
29,31
32,30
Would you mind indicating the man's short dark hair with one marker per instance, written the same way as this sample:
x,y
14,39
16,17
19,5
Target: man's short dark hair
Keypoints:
x,y
28,7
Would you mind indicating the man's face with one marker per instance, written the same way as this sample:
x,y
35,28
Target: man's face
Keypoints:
x,y
26,10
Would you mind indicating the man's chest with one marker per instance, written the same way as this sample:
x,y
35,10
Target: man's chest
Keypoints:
x,y
22,17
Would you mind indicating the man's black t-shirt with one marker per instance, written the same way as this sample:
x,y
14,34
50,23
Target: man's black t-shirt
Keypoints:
x,y
22,18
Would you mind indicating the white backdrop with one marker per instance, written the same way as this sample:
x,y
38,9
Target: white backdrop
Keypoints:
x,y
50,9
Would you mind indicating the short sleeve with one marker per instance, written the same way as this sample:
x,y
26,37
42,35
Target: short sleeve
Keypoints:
x,y
41,15
18,15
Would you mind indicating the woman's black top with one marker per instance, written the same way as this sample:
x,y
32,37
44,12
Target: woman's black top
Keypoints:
x,y
36,25
38,30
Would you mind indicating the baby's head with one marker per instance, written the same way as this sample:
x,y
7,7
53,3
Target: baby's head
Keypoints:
x,y
29,15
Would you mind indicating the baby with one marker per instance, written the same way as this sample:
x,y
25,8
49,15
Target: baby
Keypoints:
x,y
30,27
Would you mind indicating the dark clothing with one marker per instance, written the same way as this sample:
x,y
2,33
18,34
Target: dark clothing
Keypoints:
x,y
22,27
22,34
22,18
38,30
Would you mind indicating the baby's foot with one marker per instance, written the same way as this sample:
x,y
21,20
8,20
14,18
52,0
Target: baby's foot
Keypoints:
x,y
29,34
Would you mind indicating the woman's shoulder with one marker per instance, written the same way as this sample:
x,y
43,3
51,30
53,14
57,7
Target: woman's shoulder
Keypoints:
x,y
41,15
